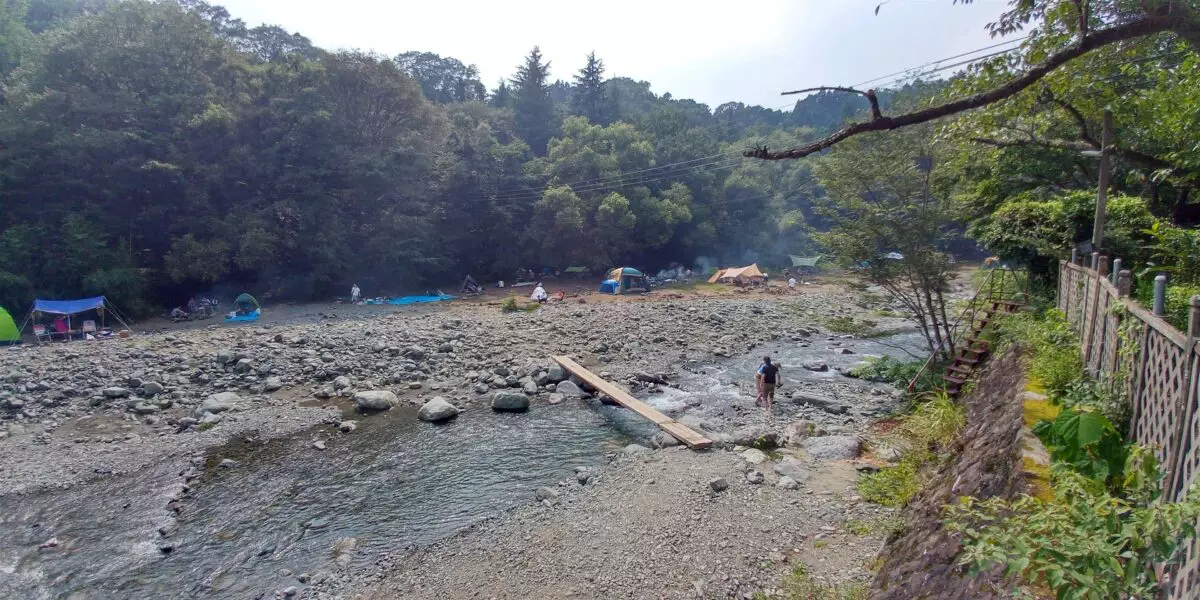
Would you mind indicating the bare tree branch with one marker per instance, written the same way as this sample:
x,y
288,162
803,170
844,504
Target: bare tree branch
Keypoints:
x,y
1133,29
869,94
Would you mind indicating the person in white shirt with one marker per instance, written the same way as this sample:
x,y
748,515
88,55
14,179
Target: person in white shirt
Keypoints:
x,y
792,283
355,293
539,293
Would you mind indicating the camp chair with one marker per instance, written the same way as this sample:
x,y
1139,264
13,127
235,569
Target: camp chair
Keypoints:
x,y
89,326
39,332
61,329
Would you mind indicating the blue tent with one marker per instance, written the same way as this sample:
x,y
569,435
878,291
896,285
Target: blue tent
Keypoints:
x,y
608,286
68,307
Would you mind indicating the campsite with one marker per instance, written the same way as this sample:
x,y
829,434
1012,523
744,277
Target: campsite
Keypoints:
x,y
624,300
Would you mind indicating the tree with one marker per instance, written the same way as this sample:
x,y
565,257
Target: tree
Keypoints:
x,y
589,98
883,200
1069,29
443,79
14,35
502,96
532,105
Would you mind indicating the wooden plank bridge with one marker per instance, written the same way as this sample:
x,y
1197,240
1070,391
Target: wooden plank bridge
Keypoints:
x,y
681,432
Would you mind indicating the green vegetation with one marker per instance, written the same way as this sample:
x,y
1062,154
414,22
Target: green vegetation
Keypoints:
x,y
849,325
924,435
899,373
511,305
800,585
1102,526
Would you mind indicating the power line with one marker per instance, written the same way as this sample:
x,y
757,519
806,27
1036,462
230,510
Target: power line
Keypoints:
x,y
941,60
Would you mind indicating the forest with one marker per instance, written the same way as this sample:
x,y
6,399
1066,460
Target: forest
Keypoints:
x,y
150,150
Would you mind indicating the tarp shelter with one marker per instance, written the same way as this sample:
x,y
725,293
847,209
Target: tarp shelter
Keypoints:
x,y
9,334
625,279
576,271
750,273
805,261
70,308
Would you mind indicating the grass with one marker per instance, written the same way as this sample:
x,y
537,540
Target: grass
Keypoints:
x,y
886,525
205,426
850,326
857,526
930,427
891,486
511,305
801,585
886,313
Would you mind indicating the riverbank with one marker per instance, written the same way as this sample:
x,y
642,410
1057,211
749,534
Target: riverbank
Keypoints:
x,y
138,417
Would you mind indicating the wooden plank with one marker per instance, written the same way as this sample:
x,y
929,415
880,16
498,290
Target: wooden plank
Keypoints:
x,y
681,432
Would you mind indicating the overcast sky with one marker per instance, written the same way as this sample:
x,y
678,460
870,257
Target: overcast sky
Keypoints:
x,y
714,52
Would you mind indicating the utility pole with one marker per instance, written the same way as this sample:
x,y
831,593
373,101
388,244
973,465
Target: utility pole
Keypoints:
x,y
1102,193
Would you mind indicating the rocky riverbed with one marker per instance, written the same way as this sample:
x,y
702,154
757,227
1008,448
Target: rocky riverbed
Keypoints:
x,y
81,414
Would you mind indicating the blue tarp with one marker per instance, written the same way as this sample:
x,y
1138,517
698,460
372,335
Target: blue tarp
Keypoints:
x,y
68,307
608,286
235,318
418,299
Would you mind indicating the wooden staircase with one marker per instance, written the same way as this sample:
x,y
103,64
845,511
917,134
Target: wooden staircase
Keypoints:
x,y
973,349
1001,293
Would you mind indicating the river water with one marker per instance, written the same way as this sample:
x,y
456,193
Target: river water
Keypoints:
x,y
392,483
396,482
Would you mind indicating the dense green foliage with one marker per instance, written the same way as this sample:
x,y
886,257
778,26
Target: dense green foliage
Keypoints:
x,y
155,149
1056,365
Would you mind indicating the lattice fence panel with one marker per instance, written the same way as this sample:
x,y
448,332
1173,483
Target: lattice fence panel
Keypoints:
x,y
1102,338
1187,472
1162,377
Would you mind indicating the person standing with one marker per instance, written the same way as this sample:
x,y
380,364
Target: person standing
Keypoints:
x,y
767,379
355,293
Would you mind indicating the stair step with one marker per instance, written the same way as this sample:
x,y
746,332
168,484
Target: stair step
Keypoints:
x,y
975,340
955,380
965,370
969,361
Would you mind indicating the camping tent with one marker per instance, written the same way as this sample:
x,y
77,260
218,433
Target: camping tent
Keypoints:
x,y
9,334
246,301
625,279
70,308
742,274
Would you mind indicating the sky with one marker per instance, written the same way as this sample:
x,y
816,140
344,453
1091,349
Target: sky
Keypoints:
x,y
713,52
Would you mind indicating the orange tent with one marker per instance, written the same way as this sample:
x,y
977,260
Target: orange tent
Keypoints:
x,y
750,273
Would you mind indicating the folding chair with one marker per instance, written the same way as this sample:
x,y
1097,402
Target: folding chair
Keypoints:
x,y
89,326
39,332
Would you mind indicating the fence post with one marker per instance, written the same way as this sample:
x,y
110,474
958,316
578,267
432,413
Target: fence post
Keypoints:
x,y
1102,267
1074,255
1160,295
1116,270
1095,260
1124,282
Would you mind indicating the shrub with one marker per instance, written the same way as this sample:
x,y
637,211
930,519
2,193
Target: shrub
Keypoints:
x,y
800,585
510,305
891,486
1085,542
899,373
935,422
1057,364
850,326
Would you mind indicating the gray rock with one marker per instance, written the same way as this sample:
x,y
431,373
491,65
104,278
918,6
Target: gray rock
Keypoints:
x,y
557,373
152,388
756,436
718,485
569,389
843,351
541,378
220,402
816,365
145,408
663,439
273,384
210,419
225,356
510,401
319,445
243,365
481,388
375,400
755,477
788,483
115,392
436,410
415,352
833,447
792,468
229,463
347,426
798,431
556,398
828,405
529,387
635,450
341,382
583,477
446,348
499,382
545,493
755,456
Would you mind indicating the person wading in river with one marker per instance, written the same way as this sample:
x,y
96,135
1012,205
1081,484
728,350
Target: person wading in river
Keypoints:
x,y
767,379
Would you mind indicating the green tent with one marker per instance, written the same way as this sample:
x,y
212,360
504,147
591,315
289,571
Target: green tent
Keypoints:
x,y
246,301
9,334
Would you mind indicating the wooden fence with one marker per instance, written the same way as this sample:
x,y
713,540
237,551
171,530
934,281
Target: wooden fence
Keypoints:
x,y
1160,367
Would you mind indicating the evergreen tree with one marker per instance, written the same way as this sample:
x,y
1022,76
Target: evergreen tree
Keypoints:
x,y
533,107
589,99
502,96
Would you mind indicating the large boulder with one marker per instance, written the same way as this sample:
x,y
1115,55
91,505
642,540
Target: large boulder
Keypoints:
x,y
375,400
790,467
115,392
824,403
437,410
220,402
798,431
756,436
570,390
510,401
833,447
557,373
816,365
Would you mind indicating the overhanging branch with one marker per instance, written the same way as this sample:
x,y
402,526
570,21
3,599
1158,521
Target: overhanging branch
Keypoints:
x,y
869,94
1133,29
